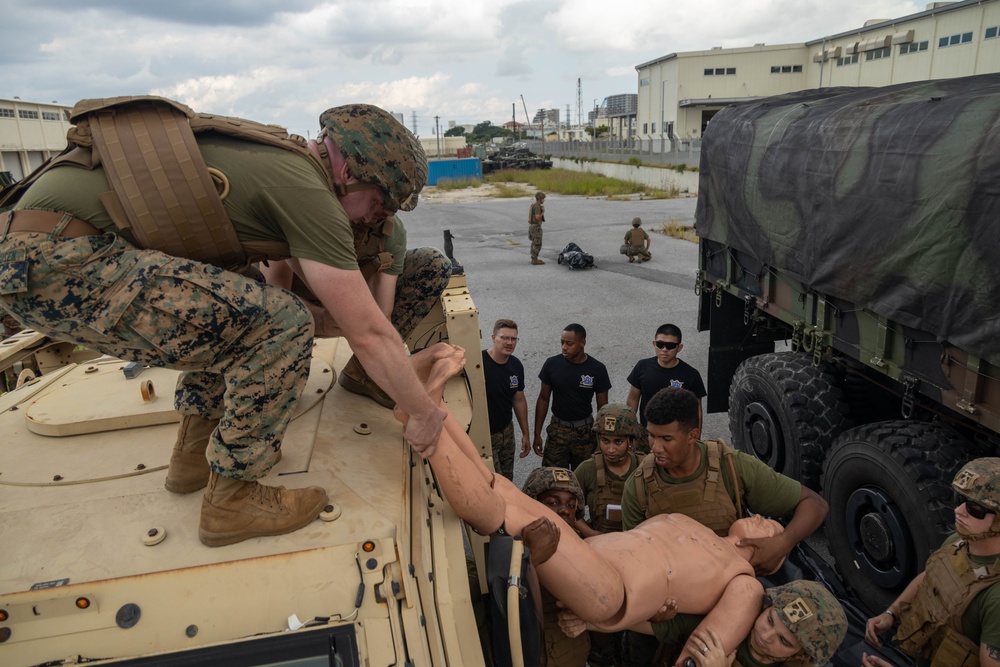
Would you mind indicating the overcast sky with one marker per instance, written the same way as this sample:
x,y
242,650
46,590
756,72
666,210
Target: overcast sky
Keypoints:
x,y
285,61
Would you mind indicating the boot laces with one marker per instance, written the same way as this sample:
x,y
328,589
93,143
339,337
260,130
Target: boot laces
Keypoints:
x,y
263,495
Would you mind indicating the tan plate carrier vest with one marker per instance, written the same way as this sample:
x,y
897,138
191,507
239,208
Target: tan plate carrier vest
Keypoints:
x,y
704,498
609,492
931,626
162,190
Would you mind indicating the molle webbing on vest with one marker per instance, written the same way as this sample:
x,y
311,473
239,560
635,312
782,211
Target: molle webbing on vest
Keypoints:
x,y
164,190
704,498
950,584
608,493
369,244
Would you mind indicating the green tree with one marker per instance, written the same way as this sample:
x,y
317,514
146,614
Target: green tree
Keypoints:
x,y
601,130
457,131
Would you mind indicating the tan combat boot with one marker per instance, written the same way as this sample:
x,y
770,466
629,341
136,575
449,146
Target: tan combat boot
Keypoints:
x,y
189,469
234,510
355,379
537,262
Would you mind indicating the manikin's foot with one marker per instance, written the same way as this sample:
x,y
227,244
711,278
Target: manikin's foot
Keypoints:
x,y
234,510
435,366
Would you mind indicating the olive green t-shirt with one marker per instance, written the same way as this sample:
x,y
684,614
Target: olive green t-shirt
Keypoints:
x,y
396,244
765,491
586,474
275,195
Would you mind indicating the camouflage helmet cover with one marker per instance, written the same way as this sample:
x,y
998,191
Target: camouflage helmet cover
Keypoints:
x,y
378,150
616,419
979,480
554,479
539,196
636,222
813,615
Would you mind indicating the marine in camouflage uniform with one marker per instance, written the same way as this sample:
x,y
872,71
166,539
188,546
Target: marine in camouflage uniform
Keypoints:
x,y
948,614
536,216
637,243
244,347
559,650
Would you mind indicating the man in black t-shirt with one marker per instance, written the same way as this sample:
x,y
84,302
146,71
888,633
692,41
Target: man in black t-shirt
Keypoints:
x,y
573,380
504,376
661,371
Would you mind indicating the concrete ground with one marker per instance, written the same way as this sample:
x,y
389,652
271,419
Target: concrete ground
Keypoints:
x,y
620,304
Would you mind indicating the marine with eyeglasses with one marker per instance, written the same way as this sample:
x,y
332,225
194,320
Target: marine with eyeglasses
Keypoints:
x,y
504,376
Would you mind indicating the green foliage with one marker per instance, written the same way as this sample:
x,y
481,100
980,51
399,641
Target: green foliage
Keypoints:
x,y
457,131
505,191
601,131
680,168
458,183
635,161
486,131
567,182
675,229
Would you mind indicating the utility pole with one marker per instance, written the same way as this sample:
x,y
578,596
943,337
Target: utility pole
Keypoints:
x,y
414,123
513,121
437,131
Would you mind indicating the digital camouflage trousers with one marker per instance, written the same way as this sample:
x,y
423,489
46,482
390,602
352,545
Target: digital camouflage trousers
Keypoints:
x,y
568,446
244,347
426,272
502,443
535,235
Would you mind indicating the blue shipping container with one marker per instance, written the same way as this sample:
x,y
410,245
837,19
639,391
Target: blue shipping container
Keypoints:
x,y
454,168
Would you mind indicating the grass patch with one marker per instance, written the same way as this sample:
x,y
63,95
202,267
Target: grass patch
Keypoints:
x,y
504,191
458,183
565,182
675,229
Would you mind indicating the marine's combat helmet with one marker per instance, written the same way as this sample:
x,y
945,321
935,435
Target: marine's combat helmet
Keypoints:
x,y
539,196
379,150
560,479
979,480
636,222
616,419
814,616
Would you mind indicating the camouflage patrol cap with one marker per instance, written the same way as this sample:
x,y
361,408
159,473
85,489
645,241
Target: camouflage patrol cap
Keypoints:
x,y
616,419
539,196
558,479
813,615
378,150
979,480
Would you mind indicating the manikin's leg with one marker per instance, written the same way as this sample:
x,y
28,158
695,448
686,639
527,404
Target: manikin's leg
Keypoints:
x,y
578,574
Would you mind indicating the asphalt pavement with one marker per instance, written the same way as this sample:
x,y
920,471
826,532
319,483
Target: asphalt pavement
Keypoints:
x,y
620,304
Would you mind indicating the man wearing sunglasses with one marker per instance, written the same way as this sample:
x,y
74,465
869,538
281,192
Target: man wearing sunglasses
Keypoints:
x,y
949,615
664,369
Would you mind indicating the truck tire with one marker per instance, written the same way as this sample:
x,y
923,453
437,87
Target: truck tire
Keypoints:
x,y
891,503
786,412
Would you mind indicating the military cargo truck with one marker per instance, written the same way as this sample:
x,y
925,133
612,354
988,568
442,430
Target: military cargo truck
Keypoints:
x,y
849,277
101,563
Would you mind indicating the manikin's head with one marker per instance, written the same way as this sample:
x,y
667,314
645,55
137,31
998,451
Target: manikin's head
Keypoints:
x,y
754,526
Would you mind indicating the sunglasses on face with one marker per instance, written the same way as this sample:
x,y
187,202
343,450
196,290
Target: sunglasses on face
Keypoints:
x,y
666,344
975,510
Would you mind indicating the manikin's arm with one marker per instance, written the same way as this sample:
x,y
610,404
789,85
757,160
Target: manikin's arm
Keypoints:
x,y
732,618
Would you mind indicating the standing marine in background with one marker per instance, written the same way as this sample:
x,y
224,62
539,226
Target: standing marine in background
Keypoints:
x,y
637,243
536,216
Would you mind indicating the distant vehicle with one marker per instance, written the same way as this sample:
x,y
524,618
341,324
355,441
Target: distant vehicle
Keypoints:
x,y
514,158
858,226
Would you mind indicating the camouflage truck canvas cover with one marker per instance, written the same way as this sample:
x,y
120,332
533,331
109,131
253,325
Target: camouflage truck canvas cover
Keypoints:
x,y
886,197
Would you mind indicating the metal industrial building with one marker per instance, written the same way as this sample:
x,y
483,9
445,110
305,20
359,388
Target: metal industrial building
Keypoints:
x,y
30,133
680,92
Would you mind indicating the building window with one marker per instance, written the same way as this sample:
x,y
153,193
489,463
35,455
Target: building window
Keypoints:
x,y
644,82
991,32
785,69
720,71
652,128
644,126
27,114
730,71
878,54
952,40
847,60
6,113
912,47
50,115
